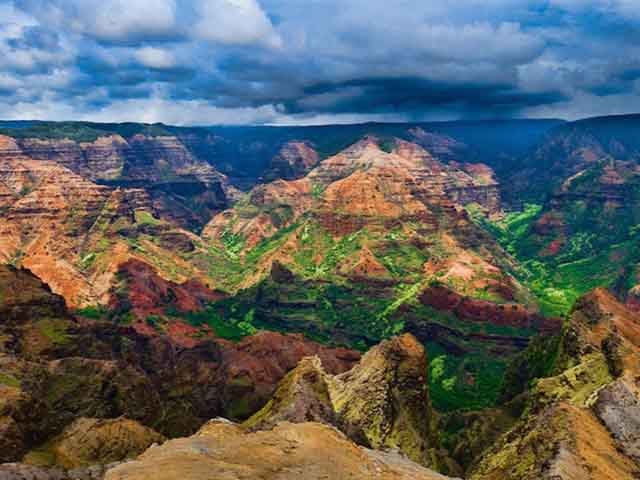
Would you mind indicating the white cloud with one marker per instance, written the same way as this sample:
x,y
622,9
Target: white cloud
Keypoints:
x,y
155,58
108,20
239,22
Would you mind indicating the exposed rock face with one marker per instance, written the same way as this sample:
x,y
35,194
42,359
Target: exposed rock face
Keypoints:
x,y
76,234
55,369
294,160
562,442
363,235
301,451
185,189
428,179
21,471
42,227
252,368
103,159
384,400
143,292
304,395
276,205
618,407
91,441
363,186
582,423
382,403
474,310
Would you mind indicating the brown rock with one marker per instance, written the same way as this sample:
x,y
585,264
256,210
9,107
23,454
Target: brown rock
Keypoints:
x,y
289,451
91,441
381,403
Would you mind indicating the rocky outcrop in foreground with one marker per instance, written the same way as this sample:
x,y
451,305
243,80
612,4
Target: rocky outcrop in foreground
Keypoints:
x,y
92,441
306,451
382,403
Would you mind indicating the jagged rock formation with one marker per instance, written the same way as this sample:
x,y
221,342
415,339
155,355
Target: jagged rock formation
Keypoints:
x,y
382,403
581,423
301,451
91,441
55,369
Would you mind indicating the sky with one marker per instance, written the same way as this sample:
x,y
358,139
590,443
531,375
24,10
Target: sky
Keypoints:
x,y
197,62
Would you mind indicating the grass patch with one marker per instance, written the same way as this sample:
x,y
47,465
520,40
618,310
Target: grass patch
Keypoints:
x,y
9,380
145,218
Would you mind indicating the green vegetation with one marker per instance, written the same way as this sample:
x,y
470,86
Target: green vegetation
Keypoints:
x,y
227,319
536,361
54,329
146,218
75,131
84,131
512,229
468,382
97,312
558,269
317,190
9,380
233,243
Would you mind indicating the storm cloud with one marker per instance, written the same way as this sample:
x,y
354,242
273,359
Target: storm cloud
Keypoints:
x,y
317,61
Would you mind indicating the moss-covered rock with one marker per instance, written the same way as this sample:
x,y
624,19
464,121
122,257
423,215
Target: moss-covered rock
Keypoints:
x,y
382,403
91,441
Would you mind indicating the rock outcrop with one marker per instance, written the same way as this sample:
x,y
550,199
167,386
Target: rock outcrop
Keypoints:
x,y
583,422
289,451
185,189
91,441
382,403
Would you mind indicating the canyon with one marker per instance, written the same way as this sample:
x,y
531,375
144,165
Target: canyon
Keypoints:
x,y
410,300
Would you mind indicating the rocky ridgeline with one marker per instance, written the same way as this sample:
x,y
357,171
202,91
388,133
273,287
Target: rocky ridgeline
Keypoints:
x,y
363,186
329,417
581,423
289,451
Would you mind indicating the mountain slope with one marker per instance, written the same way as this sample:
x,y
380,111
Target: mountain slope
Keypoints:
x,y
581,423
584,234
353,251
56,368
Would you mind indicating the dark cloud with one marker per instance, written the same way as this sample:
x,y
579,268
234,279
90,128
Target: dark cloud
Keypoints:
x,y
319,60
414,95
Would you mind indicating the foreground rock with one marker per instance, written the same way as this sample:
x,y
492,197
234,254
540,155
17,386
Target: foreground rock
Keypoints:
x,y
382,403
92,441
306,451
21,471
